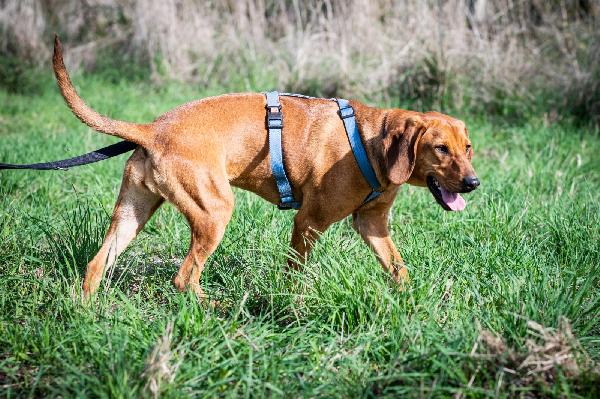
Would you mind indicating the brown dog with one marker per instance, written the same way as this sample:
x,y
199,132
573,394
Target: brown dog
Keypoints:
x,y
192,155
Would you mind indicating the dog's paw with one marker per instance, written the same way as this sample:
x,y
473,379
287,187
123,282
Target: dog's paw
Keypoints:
x,y
402,278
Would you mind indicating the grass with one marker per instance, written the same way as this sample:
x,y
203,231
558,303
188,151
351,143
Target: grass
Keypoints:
x,y
526,250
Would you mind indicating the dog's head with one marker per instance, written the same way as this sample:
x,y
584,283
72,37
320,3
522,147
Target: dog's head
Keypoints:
x,y
432,150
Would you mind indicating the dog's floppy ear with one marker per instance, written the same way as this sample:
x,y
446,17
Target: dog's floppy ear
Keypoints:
x,y
401,137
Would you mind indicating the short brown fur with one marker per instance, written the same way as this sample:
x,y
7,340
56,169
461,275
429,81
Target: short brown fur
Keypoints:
x,y
193,154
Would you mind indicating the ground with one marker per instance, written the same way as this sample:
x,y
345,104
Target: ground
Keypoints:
x,y
504,298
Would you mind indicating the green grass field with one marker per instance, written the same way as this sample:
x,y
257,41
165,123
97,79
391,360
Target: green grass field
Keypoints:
x,y
526,250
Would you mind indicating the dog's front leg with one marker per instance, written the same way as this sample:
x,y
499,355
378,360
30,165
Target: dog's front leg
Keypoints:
x,y
308,226
372,225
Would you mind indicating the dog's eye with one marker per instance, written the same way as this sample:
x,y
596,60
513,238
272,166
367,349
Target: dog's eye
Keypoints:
x,y
468,148
442,148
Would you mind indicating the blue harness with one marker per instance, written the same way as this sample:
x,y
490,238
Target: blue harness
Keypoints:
x,y
275,127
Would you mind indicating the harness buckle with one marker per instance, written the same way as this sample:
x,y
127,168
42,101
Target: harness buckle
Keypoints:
x,y
372,195
345,113
288,203
274,119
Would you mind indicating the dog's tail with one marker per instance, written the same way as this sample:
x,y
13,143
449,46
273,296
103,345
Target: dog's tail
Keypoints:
x,y
137,133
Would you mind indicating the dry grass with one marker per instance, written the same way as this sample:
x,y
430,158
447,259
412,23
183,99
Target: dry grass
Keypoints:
x,y
549,354
493,55
161,364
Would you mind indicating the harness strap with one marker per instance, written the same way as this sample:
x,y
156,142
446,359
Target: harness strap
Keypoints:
x,y
346,112
275,127
91,157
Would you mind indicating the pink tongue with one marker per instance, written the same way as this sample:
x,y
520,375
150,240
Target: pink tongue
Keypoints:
x,y
453,200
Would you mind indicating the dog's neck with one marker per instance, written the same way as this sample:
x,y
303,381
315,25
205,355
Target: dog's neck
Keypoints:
x,y
372,126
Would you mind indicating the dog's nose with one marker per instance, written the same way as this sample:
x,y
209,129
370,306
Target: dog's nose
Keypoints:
x,y
471,182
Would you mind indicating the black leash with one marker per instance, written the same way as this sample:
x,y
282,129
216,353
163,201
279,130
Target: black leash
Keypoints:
x,y
91,157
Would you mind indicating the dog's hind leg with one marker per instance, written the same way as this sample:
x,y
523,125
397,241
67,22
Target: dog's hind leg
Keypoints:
x,y
207,203
135,205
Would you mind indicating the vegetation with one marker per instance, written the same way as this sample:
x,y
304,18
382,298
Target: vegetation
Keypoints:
x,y
502,57
503,300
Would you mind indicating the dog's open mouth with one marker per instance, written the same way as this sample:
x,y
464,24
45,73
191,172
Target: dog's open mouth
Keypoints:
x,y
448,200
